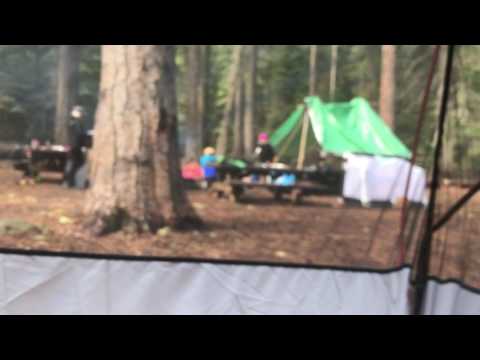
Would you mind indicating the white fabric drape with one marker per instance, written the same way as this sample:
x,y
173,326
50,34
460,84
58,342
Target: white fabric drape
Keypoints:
x,y
378,179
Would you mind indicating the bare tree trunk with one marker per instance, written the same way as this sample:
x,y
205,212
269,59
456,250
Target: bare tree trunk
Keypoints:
x,y
333,72
306,122
208,95
67,89
313,69
238,142
233,77
387,85
135,168
194,121
250,100
448,148
202,95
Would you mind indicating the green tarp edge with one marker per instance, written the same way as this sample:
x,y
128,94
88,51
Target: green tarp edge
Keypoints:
x,y
283,131
340,128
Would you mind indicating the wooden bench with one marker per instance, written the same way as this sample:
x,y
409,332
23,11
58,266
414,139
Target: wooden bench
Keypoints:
x,y
234,189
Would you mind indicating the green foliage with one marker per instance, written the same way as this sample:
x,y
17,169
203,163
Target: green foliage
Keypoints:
x,y
28,90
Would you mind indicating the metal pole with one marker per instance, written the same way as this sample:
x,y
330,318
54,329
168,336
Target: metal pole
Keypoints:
x,y
425,247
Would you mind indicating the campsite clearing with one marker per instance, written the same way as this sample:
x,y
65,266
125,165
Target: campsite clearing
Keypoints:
x,y
319,232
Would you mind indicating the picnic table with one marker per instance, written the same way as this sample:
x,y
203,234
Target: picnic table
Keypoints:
x,y
44,158
310,181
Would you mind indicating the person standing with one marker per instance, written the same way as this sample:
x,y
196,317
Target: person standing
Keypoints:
x,y
77,136
208,162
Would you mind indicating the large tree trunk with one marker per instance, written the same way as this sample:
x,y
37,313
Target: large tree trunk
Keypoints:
x,y
67,89
238,149
135,168
196,99
233,76
250,100
387,85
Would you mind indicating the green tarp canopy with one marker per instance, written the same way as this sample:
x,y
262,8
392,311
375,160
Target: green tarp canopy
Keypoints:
x,y
341,128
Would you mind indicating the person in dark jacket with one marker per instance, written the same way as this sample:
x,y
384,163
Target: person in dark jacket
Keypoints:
x,y
77,136
264,152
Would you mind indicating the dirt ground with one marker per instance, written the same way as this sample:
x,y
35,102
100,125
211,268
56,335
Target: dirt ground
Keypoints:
x,y
319,232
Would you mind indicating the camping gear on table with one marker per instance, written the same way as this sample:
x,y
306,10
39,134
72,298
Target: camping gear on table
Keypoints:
x,y
192,171
286,180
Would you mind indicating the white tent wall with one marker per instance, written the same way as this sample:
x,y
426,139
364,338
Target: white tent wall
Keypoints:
x,y
451,299
375,178
69,285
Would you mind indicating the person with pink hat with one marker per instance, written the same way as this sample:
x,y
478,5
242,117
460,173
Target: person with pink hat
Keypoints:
x,y
264,152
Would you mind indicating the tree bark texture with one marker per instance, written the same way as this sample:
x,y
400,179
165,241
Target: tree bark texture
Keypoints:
x,y
387,85
196,99
135,170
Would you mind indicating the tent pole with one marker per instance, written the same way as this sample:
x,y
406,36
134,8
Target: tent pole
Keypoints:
x,y
416,142
424,256
290,139
303,142
313,90
456,207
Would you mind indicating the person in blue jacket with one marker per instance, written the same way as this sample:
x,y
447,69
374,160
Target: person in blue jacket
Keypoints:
x,y
208,162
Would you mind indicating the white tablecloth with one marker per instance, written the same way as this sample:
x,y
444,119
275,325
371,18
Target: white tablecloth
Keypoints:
x,y
378,179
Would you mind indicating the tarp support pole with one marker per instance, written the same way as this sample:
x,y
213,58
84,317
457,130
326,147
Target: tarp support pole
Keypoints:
x,y
421,120
303,142
290,138
424,255
456,207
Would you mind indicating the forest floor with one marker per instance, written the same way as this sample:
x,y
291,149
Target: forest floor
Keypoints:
x,y
318,232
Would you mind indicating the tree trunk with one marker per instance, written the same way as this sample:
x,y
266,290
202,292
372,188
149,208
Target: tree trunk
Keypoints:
x,y
306,121
250,101
238,142
135,167
194,121
387,85
202,95
333,72
449,141
234,74
67,89
313,69
208,99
